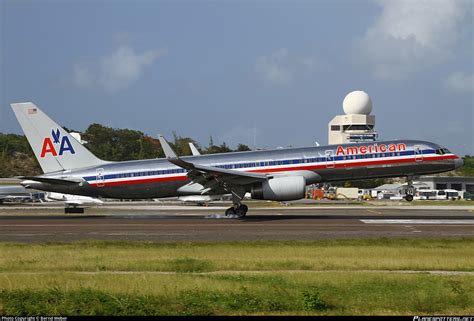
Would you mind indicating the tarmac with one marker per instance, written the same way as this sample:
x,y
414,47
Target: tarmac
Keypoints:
x,y
169,223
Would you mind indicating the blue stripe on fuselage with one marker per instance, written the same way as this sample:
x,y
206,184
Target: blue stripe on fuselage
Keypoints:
x,y
262,164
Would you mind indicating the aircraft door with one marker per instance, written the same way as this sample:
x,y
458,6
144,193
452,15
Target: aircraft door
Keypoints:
x,y
100,177
418,153
330,161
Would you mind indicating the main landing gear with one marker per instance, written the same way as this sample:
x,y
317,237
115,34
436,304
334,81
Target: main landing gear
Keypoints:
x,y
238,209
410,190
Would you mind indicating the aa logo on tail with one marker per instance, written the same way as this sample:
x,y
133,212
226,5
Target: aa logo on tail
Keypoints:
x,y
51,146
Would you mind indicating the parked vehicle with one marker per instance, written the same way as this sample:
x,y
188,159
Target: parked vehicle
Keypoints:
x,y
446,194
452,194
428,194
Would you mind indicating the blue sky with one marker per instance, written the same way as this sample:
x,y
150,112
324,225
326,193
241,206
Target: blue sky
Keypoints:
x,y
270,72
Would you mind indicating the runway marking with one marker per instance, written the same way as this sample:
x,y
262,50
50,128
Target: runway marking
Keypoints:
x,y
374,211
435,272
419,221
414,230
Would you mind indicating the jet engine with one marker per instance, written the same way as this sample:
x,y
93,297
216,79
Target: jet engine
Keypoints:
x,y
280,189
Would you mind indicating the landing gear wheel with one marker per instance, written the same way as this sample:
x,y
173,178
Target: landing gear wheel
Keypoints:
x,y
237,210
230,211
410,190
241,210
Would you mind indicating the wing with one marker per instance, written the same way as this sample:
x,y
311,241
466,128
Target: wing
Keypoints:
x,y
210,179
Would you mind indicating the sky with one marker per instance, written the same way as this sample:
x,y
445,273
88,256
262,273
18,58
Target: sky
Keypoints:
x,y
263,73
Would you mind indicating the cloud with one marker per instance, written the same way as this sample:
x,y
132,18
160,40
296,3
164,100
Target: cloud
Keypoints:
x,y
274,68
124,67
117,70
280,68
459,82
82,75
311,64
411,35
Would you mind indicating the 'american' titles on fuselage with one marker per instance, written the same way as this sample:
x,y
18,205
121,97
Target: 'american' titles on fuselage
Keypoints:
x,y
374,148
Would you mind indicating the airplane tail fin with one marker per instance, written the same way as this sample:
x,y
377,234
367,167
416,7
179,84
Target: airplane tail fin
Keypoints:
x,y
54,147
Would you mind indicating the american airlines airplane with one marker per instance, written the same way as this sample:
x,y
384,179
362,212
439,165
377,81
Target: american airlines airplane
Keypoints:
x,y
279,175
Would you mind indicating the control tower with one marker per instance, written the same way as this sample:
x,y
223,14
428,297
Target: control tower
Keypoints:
x,y
357,125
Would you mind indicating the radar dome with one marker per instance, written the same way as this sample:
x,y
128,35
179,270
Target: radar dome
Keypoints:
x,y
357,102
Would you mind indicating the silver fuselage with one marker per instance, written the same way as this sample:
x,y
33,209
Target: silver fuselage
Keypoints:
x,y
155,178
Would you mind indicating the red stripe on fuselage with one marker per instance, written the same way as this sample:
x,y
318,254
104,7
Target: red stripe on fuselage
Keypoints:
x,y
144,180
285,169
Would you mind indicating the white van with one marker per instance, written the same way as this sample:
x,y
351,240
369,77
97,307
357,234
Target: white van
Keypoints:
x,y
452,194
433,194
428,194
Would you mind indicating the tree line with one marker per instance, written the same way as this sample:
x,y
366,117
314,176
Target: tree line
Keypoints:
x,y
112,144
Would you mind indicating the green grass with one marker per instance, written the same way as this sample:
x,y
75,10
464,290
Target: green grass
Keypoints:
x,y
316,277
348,255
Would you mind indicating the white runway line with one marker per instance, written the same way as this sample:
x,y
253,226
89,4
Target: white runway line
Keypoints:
x,y
420,221
220,272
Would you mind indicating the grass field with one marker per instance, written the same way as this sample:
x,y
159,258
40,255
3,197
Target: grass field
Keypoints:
x,y
317,277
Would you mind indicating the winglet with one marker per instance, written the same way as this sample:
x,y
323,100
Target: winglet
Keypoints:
x,y
169,152
194,150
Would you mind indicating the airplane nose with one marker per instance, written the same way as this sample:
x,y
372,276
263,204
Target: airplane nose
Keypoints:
x,y
458,162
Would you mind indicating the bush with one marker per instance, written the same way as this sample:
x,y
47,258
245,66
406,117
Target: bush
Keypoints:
x,y
312,301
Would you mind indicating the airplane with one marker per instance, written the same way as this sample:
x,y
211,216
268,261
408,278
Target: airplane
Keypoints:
x,y
72,202
279,175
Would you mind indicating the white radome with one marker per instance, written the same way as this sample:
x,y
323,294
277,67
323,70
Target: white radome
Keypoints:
x,y
357,102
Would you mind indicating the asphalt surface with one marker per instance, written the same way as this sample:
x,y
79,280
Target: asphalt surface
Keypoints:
x,y
175,223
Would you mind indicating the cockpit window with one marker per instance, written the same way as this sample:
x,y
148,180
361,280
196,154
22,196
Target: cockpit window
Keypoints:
x,y
442,151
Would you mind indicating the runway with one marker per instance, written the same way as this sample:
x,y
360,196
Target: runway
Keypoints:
x,y
207,224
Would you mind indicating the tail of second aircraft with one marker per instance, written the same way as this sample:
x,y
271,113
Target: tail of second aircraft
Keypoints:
x,y
54,147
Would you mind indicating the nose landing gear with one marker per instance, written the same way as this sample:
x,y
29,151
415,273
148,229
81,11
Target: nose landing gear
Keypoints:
x,y
410,190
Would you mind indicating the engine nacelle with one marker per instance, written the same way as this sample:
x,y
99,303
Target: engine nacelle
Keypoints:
x,y
280,189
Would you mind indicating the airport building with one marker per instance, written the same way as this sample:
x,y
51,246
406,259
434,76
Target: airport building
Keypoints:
x,y
357,125
458,183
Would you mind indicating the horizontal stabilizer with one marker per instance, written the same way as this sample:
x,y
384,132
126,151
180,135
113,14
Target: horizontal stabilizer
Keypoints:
x,y
51,180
